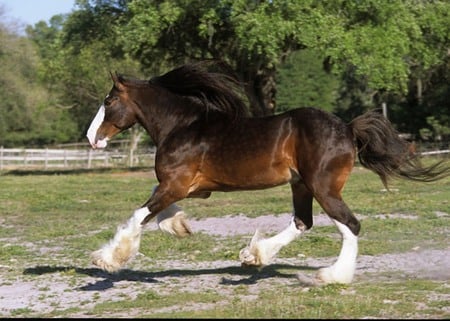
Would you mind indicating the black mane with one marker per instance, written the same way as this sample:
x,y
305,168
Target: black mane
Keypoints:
x,y
217,91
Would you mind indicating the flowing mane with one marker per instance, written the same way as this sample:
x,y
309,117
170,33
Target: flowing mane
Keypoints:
x,y
218,91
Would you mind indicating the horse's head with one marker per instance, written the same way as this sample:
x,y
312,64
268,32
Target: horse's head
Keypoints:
x,y
115,115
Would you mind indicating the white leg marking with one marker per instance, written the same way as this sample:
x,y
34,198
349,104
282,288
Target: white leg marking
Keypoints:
x,y
124,246
172,221
261,251
343,270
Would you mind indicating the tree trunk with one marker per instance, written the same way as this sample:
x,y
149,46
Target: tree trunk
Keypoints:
x,y
419,90
135,137
261,91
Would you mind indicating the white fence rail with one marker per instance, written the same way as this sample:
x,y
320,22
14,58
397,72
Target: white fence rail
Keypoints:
x,y
21,158
72,158
436,152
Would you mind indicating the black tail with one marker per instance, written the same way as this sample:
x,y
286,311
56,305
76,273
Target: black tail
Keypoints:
x,y
381,150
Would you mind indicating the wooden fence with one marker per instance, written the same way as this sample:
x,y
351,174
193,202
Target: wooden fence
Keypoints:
x,y
24,158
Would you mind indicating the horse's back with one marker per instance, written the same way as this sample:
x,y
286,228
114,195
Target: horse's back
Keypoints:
x,y
262,152
317,121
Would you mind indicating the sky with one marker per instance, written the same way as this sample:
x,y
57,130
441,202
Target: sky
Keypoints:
x,y
30,12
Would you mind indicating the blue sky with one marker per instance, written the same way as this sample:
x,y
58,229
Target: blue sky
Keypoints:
x,y
30,12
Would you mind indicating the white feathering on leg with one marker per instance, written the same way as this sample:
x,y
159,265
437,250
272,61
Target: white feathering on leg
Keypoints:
x,y
261,251
172,220
343,270
124,246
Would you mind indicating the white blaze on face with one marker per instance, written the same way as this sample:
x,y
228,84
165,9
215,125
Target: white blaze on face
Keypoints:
x,y
95,125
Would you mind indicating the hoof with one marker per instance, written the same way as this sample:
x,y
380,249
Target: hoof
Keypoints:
x,y
247,258
181,226
254,254
106,265
173,221
328,275
114,255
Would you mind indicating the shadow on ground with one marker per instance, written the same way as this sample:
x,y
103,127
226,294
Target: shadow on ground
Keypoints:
x,y
250,275
73,171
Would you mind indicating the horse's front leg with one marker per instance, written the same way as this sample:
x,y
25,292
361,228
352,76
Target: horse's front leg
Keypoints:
x,y
125,243
123,246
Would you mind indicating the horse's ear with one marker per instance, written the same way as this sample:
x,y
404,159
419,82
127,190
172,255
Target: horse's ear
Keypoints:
x,y
117,80
113,76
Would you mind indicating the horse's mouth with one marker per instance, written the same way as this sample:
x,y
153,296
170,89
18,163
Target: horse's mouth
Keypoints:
x,y
102,143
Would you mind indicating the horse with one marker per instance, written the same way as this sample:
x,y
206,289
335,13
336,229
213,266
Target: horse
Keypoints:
x,y
206,142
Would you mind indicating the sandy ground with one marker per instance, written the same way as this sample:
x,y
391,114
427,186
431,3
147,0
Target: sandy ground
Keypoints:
x,y
55,289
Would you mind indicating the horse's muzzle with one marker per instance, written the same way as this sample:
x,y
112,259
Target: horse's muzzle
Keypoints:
x,y
93,128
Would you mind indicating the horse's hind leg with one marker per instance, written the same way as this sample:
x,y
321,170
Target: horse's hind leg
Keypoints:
x,y
329,197
343,270
261,251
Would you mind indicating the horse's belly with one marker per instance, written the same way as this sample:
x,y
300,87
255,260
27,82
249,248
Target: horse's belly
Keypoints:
x,y
248,175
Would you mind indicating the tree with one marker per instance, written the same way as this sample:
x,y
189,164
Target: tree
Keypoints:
x,y
254,37
26,117
380,40
425,111
377,46
78,53
302,81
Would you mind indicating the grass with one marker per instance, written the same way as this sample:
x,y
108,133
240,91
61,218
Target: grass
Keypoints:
x,y
66,215
329,302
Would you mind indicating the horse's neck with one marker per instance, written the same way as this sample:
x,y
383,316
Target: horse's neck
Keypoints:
x,y
160,117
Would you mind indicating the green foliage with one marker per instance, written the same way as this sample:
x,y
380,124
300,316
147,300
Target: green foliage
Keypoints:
x,y
303,82
27,115
437,130
425,110
375,45
384,40
78,53
379,51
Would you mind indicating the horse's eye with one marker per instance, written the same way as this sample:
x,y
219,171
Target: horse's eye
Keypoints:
x,y
109,100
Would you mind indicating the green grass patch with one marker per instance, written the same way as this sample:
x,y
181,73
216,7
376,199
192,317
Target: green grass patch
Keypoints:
x,y
50,222
397,300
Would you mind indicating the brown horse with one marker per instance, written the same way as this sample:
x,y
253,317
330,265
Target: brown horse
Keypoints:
x,y
206,142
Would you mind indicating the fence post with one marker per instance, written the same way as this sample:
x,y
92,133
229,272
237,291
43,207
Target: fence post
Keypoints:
x,y
89,158
384,108
46,158
1,158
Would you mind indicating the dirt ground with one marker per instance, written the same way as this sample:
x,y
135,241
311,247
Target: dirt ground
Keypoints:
x,y
41,292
